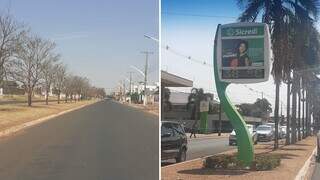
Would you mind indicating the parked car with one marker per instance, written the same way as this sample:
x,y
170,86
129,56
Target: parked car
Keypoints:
x,y
265,133
254,135
273,125
173,141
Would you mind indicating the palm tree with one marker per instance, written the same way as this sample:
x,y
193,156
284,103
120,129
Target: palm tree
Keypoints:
x,y
278,15
194,99
165,101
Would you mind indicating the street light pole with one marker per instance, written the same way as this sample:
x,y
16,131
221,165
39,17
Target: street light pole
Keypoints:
x,y
145,76
130,84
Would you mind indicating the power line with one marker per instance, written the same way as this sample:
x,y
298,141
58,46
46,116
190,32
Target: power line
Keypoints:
x,y
189,58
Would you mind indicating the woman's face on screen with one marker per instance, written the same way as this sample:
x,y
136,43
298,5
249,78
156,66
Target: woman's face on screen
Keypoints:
x,y
242,48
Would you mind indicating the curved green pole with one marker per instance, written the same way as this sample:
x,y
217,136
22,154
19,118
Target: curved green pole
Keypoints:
x,y
244,140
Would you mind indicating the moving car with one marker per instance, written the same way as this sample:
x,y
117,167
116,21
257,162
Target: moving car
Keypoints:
x,y
254,135
265,133
173,141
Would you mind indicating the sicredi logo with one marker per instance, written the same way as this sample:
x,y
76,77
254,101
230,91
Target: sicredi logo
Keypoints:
x,y
242,31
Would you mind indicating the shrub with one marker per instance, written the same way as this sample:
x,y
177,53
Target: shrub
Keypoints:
x,y
260,163
265,162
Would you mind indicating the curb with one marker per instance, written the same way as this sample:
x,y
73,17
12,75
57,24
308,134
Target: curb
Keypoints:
x,y
302,174
19,127
188,161
207,137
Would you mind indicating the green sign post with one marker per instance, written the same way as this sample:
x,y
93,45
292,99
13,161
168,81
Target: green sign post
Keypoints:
x,y
241,55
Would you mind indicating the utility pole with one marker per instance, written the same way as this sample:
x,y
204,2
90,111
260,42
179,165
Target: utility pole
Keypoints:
x,y
130,84
124,90
220,120
130,78
145,76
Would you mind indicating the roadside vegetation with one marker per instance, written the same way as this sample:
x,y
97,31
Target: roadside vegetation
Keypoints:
x,y
34,63
260,162
296,46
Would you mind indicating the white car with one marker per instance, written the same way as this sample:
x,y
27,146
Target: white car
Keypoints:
x,y
233,139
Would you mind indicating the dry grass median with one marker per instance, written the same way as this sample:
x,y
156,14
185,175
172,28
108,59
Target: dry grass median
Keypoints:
x,y
16,114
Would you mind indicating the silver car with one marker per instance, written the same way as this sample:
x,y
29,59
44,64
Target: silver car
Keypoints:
x,y
265,133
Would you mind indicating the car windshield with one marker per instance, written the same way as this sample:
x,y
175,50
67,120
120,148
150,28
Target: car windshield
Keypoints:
x,y
263,128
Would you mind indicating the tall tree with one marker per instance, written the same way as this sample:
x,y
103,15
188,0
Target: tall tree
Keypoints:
x,y
60,79
10,33
49,73
27,65
277,14
194,99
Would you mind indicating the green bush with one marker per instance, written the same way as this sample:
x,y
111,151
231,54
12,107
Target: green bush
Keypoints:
x,y
260,162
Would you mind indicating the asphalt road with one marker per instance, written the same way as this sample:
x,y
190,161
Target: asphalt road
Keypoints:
x,y
201,147
103,141
207,146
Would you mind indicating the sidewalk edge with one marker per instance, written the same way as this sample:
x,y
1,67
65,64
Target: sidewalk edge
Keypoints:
x,y
305,168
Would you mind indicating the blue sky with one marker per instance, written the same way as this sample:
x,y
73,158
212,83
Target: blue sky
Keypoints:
x,y
188,27
97,38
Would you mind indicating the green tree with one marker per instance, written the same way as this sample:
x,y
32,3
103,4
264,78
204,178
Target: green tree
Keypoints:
x,y
193,105
278,14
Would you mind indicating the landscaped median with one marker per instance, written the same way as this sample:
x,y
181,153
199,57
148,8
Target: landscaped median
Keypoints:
x,y
292,159
14,117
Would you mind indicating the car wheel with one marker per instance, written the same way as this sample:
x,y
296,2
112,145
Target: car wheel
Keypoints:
x,y
182,155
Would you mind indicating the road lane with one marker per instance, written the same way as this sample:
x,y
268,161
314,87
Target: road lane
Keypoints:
x,y
105,140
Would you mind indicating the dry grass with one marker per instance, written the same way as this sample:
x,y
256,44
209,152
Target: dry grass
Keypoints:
x,y
15,114
23,98
293,158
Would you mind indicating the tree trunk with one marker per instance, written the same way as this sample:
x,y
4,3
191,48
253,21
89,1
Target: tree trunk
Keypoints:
x,y
307,113
47,97
59,96
303,114
288,114
220,121
29,98
276,116
294,109
299,115
66,98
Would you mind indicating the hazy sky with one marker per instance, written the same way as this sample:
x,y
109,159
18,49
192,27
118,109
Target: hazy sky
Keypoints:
x,y
99,39
189,27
